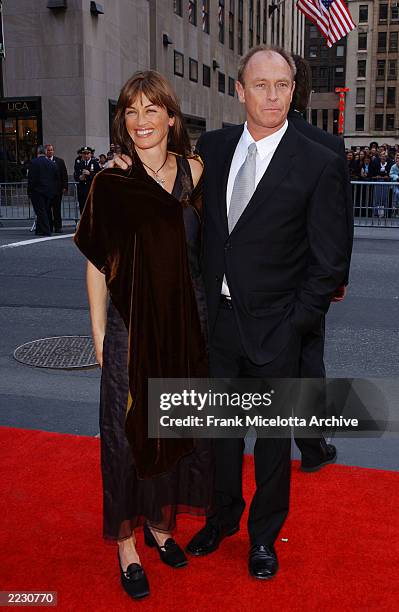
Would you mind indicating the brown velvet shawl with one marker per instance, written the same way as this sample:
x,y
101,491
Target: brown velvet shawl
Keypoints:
x,y
132,230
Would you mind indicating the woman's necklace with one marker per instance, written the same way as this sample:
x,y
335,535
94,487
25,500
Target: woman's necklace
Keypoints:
x,y
158,179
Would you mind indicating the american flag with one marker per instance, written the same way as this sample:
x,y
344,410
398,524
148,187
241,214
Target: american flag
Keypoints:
x,y
331,17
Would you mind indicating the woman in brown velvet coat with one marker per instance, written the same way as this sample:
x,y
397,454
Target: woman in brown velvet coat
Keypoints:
x,y
141,233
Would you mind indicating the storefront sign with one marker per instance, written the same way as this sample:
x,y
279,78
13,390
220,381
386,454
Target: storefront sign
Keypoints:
x,y
19,106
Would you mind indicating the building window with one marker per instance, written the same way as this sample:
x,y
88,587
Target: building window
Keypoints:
x,y
394,15
392,69
314,73
379,96
313,32
221,82
359,123
362,41
231,24
393,41
258,22
340,50
378,122
193,70
264,36
192,12
177,7
382,42
314,116
391,96
240,29
232,87
312,51
363,13
179,63
205,16
323,72
361,68
324,52
251,23
383,12
206,75
390,122
221,21
360,95
325,119
339,69
380,70
335,121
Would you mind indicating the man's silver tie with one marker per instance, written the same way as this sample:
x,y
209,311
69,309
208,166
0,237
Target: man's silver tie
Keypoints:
x,y
244,186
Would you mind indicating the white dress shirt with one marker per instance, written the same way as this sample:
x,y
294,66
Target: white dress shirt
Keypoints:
x,y
265,149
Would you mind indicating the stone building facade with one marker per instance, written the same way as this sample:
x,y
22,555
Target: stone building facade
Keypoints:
x,y
65,62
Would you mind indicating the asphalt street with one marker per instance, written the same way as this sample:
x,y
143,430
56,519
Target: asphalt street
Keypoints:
x,y
43,294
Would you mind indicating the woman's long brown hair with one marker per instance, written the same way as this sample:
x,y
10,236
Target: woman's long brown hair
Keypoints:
x,y
159,91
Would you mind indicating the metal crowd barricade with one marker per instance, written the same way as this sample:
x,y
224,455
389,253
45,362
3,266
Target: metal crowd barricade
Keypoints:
x,y
15,203
375,203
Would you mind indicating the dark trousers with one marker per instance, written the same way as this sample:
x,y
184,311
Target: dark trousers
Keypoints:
x,y
83,192
272,457
41,206
55,209
312,366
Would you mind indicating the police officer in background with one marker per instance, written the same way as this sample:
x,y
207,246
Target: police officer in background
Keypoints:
x,y
85,170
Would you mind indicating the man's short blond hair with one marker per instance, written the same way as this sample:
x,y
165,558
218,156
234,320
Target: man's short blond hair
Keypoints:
x,y
270,49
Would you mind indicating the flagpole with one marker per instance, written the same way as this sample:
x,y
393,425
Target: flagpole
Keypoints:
x,y
2,50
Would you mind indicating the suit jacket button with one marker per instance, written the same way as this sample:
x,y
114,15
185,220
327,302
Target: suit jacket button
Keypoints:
x,y
217,278
227,246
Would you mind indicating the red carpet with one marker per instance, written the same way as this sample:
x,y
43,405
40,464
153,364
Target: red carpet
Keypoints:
x,y
341,554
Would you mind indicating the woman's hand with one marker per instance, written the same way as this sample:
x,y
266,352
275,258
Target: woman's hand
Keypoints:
x,y
122,161
98,340
97,293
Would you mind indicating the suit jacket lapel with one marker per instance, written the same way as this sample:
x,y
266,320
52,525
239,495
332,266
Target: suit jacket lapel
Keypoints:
x,y
274,175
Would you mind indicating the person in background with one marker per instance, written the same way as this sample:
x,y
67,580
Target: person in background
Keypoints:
x,y
315,452
394,177
379,171
102,160
351,164
43,186
56,216
84,172
364,167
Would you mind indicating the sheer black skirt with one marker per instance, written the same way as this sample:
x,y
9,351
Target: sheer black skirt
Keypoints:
x,y
129,502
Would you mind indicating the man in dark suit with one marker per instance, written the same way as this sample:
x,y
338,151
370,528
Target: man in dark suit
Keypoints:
x,y
274,252
42,188
56,217
84,172
315,452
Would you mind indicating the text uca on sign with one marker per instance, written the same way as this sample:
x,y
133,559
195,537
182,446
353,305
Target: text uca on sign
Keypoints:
x,y
17,106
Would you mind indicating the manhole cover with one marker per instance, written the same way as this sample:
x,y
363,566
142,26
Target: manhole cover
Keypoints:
x,y
61,352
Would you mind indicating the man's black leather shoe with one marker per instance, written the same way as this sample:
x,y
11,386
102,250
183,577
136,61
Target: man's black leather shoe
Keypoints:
x,y
262,561
207,540
329,455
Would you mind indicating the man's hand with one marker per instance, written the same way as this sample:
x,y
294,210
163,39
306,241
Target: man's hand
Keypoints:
x,y
339,294
122,161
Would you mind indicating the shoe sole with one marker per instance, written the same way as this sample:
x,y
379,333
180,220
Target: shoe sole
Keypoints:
x,y
262,577
316,468
208,552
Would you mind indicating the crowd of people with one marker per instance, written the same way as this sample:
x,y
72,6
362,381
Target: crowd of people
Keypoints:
x,y
376,163
48,182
